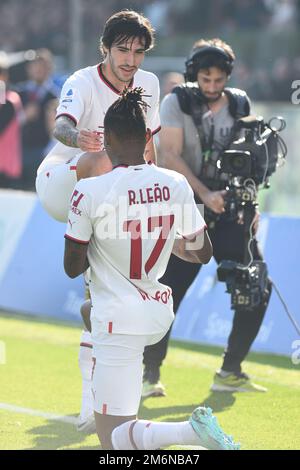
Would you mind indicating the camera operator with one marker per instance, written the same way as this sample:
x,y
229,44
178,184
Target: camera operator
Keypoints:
x,y
198,124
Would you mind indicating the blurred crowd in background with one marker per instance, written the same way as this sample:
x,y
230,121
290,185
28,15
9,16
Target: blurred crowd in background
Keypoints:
x,y
265,68
31,24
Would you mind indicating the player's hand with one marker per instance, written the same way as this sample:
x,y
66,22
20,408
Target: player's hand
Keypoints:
x,y
215,201
90,141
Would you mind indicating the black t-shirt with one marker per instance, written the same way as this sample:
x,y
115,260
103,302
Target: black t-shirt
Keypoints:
x,y
35,133
7,114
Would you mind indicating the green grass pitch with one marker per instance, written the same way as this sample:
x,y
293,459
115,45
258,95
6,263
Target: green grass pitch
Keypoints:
x,y
41,373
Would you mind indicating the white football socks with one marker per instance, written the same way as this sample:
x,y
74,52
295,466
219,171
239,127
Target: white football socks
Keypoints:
x,y
86,366
147,435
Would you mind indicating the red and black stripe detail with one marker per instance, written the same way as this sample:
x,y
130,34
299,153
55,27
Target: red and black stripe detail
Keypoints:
x,y
108,83
81,242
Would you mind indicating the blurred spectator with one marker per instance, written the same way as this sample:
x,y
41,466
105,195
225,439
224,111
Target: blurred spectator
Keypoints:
x,y
35,95
243,77
50,114
262,89
40,23
10,137
169,81
34,23
284,15
23,25
250,14
281,79
158,13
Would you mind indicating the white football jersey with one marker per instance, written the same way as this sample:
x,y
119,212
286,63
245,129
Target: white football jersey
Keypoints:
x,y
86,96
130,218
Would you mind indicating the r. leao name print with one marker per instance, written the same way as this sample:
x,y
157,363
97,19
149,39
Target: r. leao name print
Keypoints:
x,y
148,195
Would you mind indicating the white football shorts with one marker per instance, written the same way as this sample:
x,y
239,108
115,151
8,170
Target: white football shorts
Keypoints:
x,y
118,372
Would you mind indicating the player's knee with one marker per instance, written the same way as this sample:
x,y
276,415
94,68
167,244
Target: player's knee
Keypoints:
x,y
106,424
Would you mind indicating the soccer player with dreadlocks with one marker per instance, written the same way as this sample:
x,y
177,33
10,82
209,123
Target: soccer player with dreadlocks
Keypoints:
x,y
124,227
79,153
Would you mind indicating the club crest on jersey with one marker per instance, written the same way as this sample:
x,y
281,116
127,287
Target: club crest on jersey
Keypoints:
x,y
75,200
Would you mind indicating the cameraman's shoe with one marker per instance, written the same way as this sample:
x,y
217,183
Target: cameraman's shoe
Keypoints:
x,y
153,390
235,383
152,387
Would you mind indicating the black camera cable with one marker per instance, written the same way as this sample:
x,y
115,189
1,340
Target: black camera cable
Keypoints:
x,y
292,319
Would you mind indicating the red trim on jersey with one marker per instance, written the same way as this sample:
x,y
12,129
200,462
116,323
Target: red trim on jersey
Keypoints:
x,y
131,435
47,174
81,242
108,83
156,130
122,165
74,167
86,345
110,327
69,116
192,235
104,409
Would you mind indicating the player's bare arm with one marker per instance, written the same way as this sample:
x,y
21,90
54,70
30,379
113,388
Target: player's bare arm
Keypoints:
x,y
171,146
202,255
75,259
66,132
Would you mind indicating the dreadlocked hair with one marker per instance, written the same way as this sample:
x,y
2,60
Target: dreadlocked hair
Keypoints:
x,y
126,116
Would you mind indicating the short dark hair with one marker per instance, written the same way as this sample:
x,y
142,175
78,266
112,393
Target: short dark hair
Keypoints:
x,y
214,60
124,25
125,118
217,42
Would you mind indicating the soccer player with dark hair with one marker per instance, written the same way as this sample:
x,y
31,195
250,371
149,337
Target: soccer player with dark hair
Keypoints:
x,y
124,228
85,98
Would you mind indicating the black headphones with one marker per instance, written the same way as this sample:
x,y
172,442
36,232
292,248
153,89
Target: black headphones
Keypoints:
x,y
198,58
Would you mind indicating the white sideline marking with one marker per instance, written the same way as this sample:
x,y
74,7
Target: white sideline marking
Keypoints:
x,y
53,417
41,414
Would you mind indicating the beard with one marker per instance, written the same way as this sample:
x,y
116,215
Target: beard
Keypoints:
x,y
213,99
117,73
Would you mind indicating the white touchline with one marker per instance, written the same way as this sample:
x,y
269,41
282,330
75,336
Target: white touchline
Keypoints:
x,y
41,414
53,417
